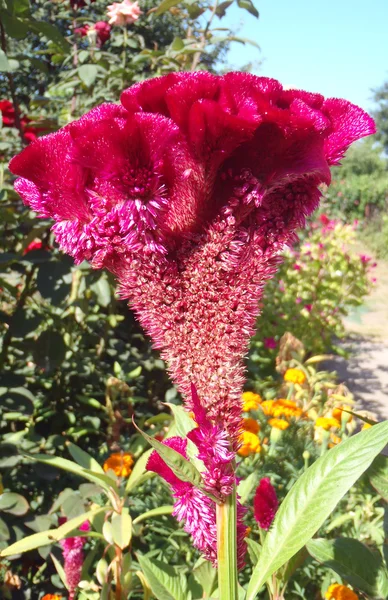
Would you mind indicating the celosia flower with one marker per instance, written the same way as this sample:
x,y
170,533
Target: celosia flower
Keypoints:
x,y
72,548
279,424
249,444
192,505
120,463
30,132
265,503
187,194
340,592
251,401
295,376
7,113
101,30
327,423
251,425
123,13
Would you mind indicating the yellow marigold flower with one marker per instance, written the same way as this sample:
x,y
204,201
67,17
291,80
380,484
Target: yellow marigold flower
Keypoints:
x,y
52,597
250,444
279,424
337,413
326,423
366,426
251,401
267,406
340,592
295,376
251,425
120,463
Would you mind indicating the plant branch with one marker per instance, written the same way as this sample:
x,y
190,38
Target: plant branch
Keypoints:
x,y
227,548
202,44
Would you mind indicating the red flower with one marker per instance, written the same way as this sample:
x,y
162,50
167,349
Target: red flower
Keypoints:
x,y
78,3
34,245
187,193
8,113
265,503
324,219
101,28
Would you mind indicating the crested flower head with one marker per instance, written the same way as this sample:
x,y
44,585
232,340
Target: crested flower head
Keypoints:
x,y
265,503
187,192
123,13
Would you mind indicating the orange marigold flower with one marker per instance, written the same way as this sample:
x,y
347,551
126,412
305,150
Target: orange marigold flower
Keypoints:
x,y
267,406
326,423
251,425
334,439
340,592
279,424
250,444
52,597
366,426
251,401
295,376
120,463
338,411
286,408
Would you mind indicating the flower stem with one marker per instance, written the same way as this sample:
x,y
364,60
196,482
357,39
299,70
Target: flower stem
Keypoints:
x,y
227,548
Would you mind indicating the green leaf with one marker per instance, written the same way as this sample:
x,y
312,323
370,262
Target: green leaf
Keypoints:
x,y
15,28
4,64
206,575
378,475
154,512
88,74
60,570
67,465
246,486
249,6
254,550
222,8
14,504
353,561
122,528
165,581
177,44
166,5
49,31
312,499
137,471
181,467
44,538
49,350
84,459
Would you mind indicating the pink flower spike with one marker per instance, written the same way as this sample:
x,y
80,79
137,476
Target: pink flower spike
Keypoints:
x,y
73,555
265,503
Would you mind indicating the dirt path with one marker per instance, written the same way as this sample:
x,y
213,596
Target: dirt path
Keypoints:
x,y
366,371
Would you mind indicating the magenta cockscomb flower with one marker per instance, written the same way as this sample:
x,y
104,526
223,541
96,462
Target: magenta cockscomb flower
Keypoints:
x,y
265,503
187,192
72,549
192,505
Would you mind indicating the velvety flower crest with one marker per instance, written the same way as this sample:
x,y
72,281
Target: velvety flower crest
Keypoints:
x,y
187,192
72,548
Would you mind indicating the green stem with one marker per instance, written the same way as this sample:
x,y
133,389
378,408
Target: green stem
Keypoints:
x,y
227,548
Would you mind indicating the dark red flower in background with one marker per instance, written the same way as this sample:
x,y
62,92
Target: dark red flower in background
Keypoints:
x,y
30,132
101,28
8,113
265,503
187,192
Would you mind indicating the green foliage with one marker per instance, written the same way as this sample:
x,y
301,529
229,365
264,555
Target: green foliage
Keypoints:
x,y
318,283
381,113
313,498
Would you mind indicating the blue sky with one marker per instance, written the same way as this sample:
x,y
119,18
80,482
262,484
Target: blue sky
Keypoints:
x,y
335,47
